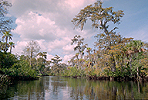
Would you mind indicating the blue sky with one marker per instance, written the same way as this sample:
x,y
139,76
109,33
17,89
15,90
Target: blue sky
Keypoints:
x,y
49,23
135,21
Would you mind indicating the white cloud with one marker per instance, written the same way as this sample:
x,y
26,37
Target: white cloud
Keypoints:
x,y
31,26
43,45
58,43
49,57
68,49
49,23
19,46
74,3
66,58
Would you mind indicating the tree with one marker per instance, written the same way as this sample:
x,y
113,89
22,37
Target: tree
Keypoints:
x,y
41,61
0,45
4,21
56,68
135,55
101,17
11,44
6,36
31,50
3,46
43,56
79,47
7,60
56,59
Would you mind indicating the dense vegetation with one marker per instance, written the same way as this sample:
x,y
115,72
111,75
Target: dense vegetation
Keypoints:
x,y
114,56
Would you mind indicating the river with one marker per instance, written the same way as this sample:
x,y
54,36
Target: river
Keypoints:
x,y
63,88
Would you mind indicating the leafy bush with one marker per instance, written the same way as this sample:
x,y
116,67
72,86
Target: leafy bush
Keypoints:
x,y
74,72
4,80
21,69
7,60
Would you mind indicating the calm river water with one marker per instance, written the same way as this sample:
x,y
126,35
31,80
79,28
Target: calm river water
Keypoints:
x,y
62,88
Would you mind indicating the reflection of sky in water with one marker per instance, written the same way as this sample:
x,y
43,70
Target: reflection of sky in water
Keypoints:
x,y
60,93
58,90
53,89
61,88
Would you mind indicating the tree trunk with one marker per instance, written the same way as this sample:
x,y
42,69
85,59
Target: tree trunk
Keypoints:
x,y
31,59
6,44
137,73
113,65
10,48
122,64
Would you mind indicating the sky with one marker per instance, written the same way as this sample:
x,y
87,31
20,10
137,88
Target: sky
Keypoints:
x,y
49,23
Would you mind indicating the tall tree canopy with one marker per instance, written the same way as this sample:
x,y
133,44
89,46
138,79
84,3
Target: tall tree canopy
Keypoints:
x,y
4,21
115,55
11,44
32,49
100,18
6,36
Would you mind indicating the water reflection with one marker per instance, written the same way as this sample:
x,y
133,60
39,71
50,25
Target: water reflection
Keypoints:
x,y
61,88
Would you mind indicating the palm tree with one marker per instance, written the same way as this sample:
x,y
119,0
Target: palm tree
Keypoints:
x,y
137,48
7,36
0,45
3,46
134,48
11,45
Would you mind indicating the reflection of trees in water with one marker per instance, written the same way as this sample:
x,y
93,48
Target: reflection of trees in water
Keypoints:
x,y
76,88
94,90
91,90
4,93
46,82
25,90
57,83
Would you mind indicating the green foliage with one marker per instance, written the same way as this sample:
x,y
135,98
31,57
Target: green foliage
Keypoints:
x,y
58,69
56,59
90,72
21,69
6,36
4,80
7,60
115,55
118,73
5,21
74,72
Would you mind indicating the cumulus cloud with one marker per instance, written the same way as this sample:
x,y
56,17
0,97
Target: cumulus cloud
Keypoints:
x,y
49,23
20,45
33,26
49,57
68,49
67,58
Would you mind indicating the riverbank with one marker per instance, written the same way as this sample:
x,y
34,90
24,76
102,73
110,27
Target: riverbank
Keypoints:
x,y
109,78
8,80
4,80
